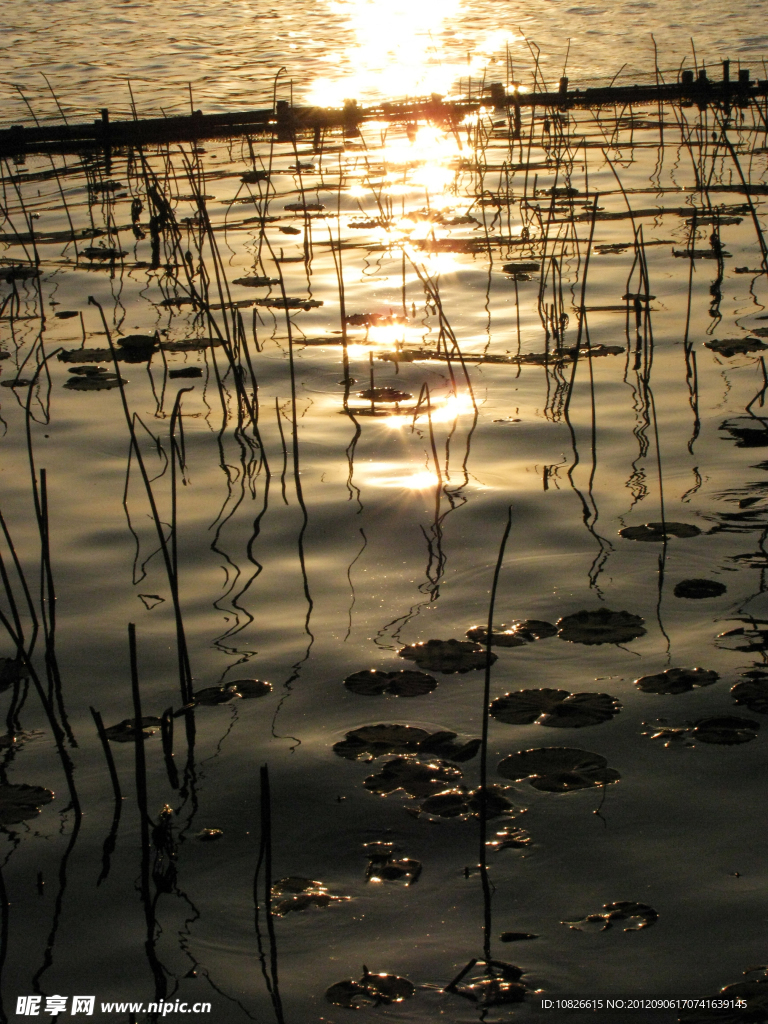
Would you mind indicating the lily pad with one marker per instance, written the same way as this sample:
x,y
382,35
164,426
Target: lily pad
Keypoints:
x,y
212,695
601,626
209,835
385,395
383,866
735,346
500,638
555,708
413,777
404,683
139,341
17,382
99,380
533,629
625,910
372,741
659,531
376,988
676,680
521,267
19,802
255,282
462,803
12,671
125,731
498,985
558,769
185,371
251,177
278,302
726,730
447,656
98,252
306,901
19,273
251,688
752,693
517,936
698,589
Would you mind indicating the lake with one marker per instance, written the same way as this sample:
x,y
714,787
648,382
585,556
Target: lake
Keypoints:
x,y
290,420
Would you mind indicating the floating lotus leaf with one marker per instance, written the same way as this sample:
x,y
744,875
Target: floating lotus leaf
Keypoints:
x,y
499,985
460,803
306,901
735,346
447,656
209,835
698,589
726,730
125,731
659,531
752,693
534,629
190,345
670,735
517,936
385,395
95,381
185,371
251,177
404,683
139,341
251,688
601,626
98,252
375,740
89,355
624,910
413,777
383,866
295,884
378,988
255,282
502,638
212,695
676,680
555,708
19,802
519,267
288,303
558,769
19,273
288,230
510,839
300,207
18,382
66,314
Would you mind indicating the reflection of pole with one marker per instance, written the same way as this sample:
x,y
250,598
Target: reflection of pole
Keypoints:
x,y
265,858
484,747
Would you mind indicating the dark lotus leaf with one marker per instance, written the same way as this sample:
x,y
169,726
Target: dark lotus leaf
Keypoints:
x,y
752,693
18,802
547,760
251,688
495,992
139,341
496,802
348,994
375,740
368,682
278,302
295,884
251,177
524,706
88,371
409,683
97,252
388,988
446,805
600,627
95,382
300,207
305,901
517,839
255,282
447,656
209,835
519,267
534,629
190,344
735,346
88,355
19,273
726,730
383,867
454,751
18,382
676,680
288,230
670,735
413,777
697,589
385,395
125,731
65,314
569,782
212,695
581,709
517,936
185,371
624,910
502,638
659,531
